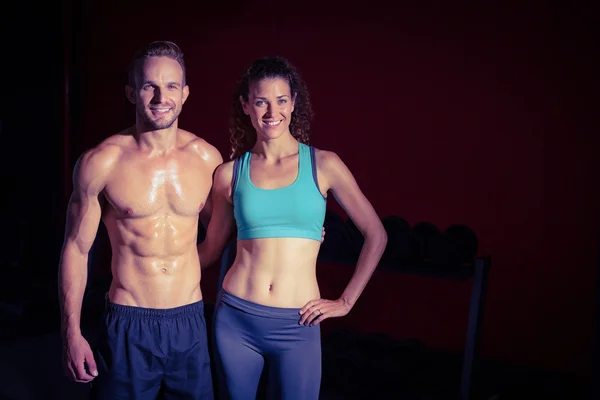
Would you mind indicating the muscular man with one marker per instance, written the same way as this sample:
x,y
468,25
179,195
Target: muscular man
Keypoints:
x,y
149,185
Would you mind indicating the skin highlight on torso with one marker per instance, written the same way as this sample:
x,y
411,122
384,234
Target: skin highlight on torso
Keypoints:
x,y
151,213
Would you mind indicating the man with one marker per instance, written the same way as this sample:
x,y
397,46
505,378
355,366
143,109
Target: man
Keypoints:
x,y
149,184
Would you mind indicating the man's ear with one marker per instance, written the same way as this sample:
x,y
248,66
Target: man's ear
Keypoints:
x,y
186,93
130,94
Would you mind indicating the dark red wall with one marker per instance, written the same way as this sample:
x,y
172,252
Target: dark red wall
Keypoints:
x,y
475,116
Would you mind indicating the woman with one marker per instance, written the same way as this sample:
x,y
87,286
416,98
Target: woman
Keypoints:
x,y
276,190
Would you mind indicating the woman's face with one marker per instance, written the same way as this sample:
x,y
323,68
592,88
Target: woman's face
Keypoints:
x,y
270,105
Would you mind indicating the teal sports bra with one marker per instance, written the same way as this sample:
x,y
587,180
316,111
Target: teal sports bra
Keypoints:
x,y
294,211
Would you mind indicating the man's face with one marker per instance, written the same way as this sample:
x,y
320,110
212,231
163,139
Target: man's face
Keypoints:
x,y
159,93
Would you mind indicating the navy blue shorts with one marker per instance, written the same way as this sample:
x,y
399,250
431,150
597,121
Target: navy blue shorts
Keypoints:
x,y
143,352
250,336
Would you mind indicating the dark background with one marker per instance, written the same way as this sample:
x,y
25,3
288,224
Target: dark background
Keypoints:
x,y
479,114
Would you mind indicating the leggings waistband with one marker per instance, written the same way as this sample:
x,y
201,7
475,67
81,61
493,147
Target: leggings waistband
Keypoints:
x,y
259,309
132,311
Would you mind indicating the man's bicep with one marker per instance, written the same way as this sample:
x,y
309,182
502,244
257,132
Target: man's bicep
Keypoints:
x,y
206,212
221,222
83,217
84,211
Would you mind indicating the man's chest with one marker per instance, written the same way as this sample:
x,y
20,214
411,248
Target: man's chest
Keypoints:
x,y
172,186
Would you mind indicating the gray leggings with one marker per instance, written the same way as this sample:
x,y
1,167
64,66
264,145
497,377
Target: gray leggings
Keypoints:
x,y
247,335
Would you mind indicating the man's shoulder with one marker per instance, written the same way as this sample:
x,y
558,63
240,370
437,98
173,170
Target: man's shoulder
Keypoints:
x,y
107,150
99,160
205,150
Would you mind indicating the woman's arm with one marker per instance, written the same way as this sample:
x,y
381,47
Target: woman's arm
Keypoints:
x,y
335,176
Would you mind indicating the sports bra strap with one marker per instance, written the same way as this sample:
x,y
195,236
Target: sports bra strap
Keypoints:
x,y
313,161
234,178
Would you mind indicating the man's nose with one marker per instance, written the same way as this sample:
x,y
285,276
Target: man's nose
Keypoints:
x,y
158,95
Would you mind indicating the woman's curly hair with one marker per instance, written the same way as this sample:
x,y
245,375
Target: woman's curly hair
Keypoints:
x,y
242,133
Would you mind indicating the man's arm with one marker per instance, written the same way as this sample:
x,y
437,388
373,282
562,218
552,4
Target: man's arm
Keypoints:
x,y
221,222
206,212
212,157
83,217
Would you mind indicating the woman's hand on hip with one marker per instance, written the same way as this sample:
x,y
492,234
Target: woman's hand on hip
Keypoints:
x,y
317,310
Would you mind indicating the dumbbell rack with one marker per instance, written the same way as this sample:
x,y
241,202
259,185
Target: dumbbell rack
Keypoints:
x,y
478,272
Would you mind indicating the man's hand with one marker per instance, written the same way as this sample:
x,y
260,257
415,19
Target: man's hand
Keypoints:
x,y
78,360
317,310
323,235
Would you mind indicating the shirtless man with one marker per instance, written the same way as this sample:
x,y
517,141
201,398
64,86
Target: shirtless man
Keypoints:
x,y
149,184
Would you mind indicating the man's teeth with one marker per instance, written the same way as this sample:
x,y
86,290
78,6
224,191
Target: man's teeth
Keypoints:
x,y
162,109
272,123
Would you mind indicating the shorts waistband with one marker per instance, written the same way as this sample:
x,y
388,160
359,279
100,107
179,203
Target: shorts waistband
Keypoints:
x,y
133,311
259,309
